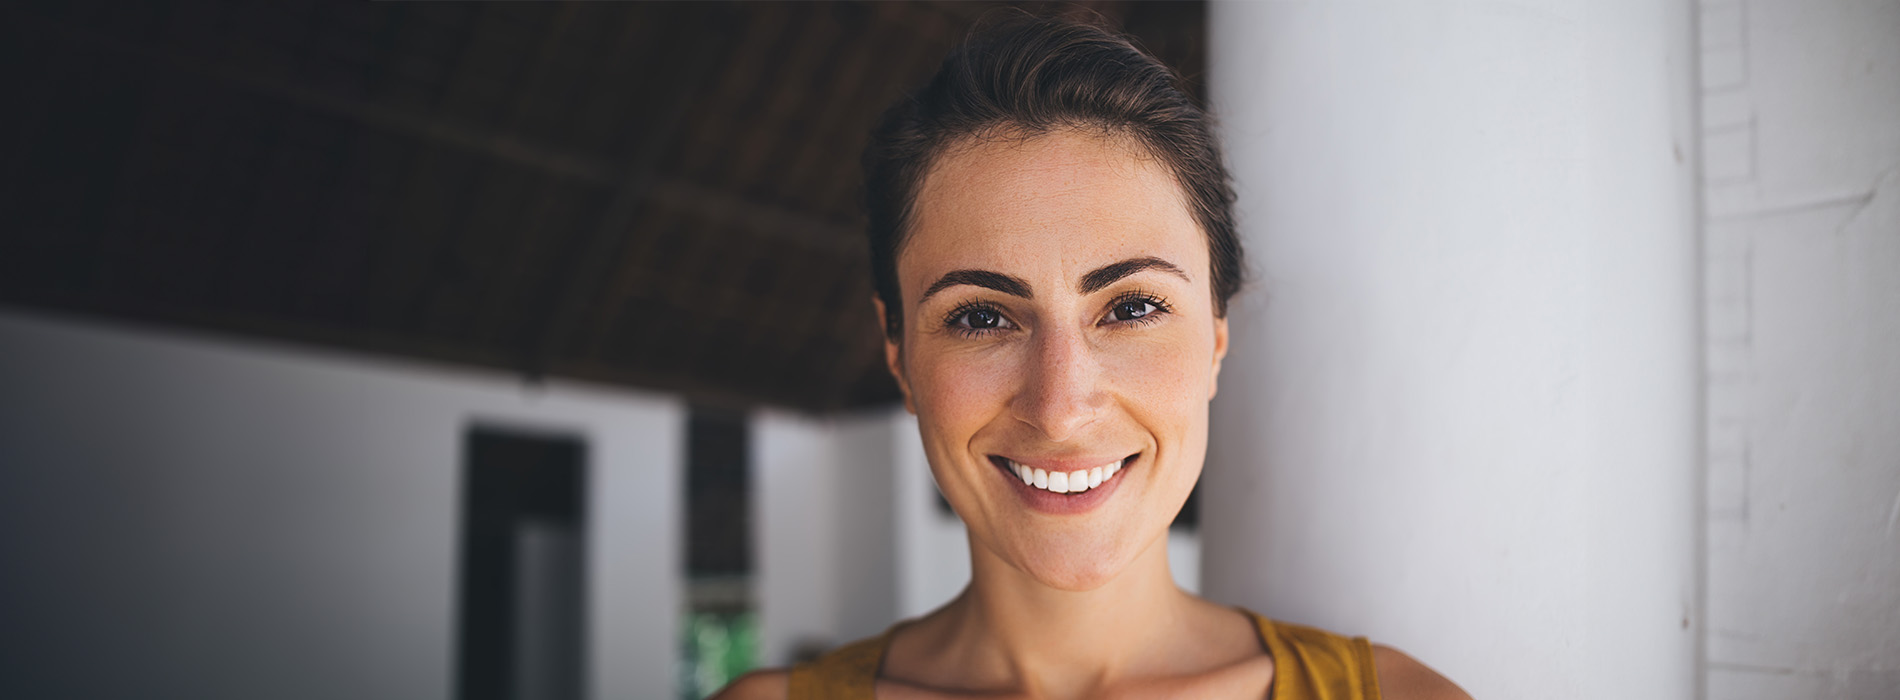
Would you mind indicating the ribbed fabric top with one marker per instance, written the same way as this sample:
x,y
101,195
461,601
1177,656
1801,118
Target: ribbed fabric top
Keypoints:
x,y
1308,664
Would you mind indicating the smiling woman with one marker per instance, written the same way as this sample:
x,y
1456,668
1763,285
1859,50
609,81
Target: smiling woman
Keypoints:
x,y
1087,359
1052,236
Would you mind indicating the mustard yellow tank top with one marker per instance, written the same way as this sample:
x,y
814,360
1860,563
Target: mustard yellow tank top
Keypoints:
x,y
1308,664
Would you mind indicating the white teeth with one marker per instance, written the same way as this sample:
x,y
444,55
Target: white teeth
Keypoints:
x,y
1066,482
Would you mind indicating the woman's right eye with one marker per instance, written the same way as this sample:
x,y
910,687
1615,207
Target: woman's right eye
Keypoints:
x,y
977,319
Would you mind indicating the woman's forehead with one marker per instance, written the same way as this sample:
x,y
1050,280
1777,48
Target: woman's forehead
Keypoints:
x,y
1053,204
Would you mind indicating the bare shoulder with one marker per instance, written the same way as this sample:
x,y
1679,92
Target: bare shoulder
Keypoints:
x,y
767,684
1402,677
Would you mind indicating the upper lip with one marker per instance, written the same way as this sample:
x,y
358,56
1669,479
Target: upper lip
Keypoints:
x,y
1066,464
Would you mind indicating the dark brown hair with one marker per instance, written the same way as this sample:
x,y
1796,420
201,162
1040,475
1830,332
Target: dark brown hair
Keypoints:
x,y
1027,76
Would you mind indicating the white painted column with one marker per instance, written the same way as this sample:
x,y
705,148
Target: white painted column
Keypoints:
x,y
825,535
1460,415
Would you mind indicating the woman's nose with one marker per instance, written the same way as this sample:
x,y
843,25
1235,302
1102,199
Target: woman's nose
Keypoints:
x,y
1061,393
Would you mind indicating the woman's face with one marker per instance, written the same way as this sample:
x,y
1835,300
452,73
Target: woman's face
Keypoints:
x,y
1059,318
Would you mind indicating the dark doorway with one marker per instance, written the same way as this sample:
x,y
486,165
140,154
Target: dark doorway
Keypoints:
x,y
523,567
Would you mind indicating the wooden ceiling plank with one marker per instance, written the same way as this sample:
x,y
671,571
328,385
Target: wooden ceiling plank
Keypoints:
x,y
590,265
414,53
447,300
840,128
527,94
298,178
912,64
562,113
408,265
484,141
505,289
435,182
564,215
674,206
469,259
760,218
702,151
632,283
488,65
333,279
750,155
888,64
610,110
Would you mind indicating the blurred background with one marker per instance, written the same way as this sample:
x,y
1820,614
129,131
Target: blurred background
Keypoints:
x,y
524,350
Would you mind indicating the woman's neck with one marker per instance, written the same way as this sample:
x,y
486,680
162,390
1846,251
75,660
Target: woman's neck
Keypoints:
x,y
1010,631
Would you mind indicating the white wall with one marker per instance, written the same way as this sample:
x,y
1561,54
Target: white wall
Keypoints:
x,y
823,532
192,518
1801,146
1460,411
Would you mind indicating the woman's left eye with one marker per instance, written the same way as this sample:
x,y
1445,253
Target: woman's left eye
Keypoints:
x,y
1135,309
1131,310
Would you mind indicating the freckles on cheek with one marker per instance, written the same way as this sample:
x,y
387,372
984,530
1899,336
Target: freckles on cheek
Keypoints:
x,y
1163,374
961,389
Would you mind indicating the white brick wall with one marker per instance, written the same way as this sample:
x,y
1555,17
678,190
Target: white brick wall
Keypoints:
x,y
1801,173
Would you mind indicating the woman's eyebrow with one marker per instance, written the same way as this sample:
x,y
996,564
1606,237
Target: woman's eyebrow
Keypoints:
x,y
980,278
1108,274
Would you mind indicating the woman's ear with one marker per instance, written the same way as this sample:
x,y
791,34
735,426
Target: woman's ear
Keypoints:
x,y
1220,353
893,353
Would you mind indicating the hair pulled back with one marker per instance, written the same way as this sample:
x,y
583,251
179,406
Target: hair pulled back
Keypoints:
x,y
1028,76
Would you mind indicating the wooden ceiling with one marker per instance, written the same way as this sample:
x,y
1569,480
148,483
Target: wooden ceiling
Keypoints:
x,y
655,195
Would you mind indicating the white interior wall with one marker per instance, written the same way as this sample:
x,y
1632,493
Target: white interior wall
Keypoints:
x,y
1459,414
1801,147
192,518
823,532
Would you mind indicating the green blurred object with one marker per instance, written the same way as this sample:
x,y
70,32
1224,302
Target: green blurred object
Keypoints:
x,y
717,647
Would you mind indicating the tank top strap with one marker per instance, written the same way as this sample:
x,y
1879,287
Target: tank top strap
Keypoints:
x,y
1312,664
846,673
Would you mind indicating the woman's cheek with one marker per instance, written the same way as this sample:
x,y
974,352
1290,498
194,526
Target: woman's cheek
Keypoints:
x,y
1164,371
962,389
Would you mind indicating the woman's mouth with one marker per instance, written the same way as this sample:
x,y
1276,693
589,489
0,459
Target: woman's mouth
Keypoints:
x,y
1063,488
1058,481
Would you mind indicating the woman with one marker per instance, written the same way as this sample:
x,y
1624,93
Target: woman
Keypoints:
x,y
1054,248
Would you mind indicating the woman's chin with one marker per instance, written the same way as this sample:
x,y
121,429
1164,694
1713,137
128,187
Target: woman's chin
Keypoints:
x,y
1075,569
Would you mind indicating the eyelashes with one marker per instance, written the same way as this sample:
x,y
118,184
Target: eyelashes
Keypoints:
x,y
975,318
1138,307
1132,308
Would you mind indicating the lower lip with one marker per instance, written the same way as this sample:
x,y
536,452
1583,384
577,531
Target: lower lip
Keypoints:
x,y
1066,503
